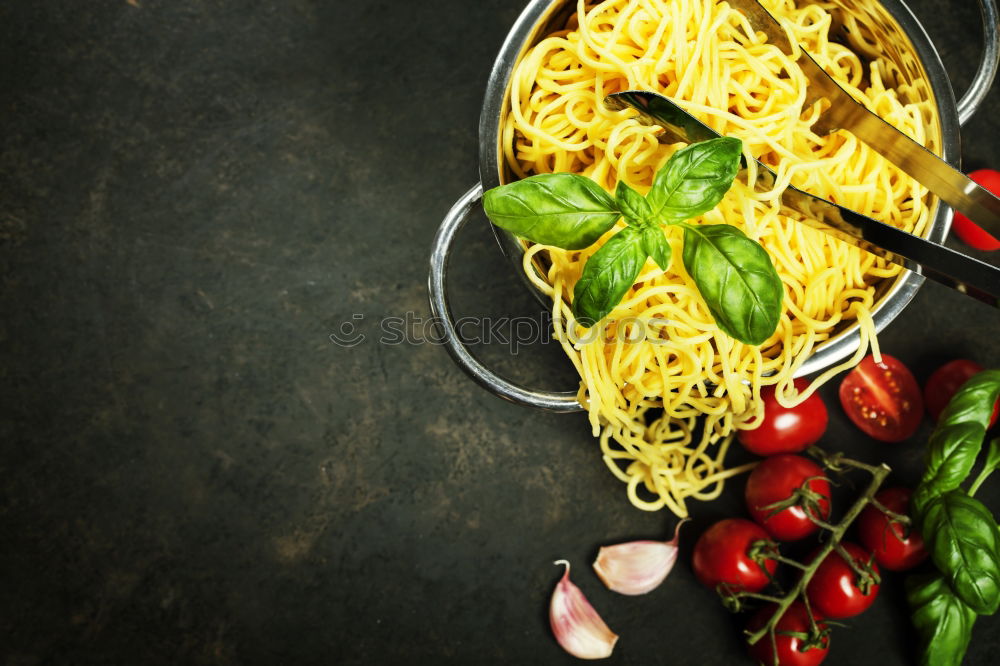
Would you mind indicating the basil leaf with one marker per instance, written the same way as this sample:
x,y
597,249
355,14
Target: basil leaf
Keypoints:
x,y
962,538
561,209
958,437
737,280
656,245
695,179
633,205
607,276
951,453
974,400
943,622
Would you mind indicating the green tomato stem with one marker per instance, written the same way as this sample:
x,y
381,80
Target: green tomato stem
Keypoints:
x,y
761,597
835,462
822,523
790,562
813,627
894,517
866,576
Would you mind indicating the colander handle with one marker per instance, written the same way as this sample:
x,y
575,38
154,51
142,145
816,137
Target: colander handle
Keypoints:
x,y
441,310
981,83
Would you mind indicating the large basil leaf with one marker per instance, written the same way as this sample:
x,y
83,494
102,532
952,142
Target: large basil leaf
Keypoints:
x,y
958,437
633,205
561,209
737,280
608,275
962,538
656,245
695,179
943,622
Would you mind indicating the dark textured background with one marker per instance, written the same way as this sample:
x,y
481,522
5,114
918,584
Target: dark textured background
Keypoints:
x,y
193,197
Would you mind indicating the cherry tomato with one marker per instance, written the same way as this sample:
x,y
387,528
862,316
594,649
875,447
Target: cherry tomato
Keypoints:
x,y
889,542
969,231
721,556
946,381
774,480
882,399
836,590
793,648
786,430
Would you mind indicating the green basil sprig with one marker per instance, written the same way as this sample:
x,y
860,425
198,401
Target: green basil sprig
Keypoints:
x,y
943,622
733,273
958,437
960,532
964,544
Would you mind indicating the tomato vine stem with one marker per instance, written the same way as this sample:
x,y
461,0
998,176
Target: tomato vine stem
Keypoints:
x,y
893,516
866,576
790,562
837,463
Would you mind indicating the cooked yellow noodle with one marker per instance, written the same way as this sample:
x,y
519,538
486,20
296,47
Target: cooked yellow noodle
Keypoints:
x,y
665,407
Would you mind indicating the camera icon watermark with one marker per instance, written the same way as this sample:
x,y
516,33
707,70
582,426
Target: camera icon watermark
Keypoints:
x,y
349,335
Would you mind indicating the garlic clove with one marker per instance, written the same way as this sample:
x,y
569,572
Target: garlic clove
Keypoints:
x,y
576,625
637,567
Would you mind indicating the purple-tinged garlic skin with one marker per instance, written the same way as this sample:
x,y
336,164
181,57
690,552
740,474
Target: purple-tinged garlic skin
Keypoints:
x,y
637,567
576,625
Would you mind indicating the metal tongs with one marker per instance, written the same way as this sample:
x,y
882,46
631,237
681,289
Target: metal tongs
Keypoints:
x,y
950,185
953,269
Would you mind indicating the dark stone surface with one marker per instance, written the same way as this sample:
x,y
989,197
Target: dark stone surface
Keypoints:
x,y
193,197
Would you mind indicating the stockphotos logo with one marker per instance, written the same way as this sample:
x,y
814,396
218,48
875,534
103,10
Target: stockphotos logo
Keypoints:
x,y
512,332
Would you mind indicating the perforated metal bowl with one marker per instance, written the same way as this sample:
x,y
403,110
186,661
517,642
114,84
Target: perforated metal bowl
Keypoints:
x,y
918,74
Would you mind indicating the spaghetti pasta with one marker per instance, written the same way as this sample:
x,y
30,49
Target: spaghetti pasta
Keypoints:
x,y
665,389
